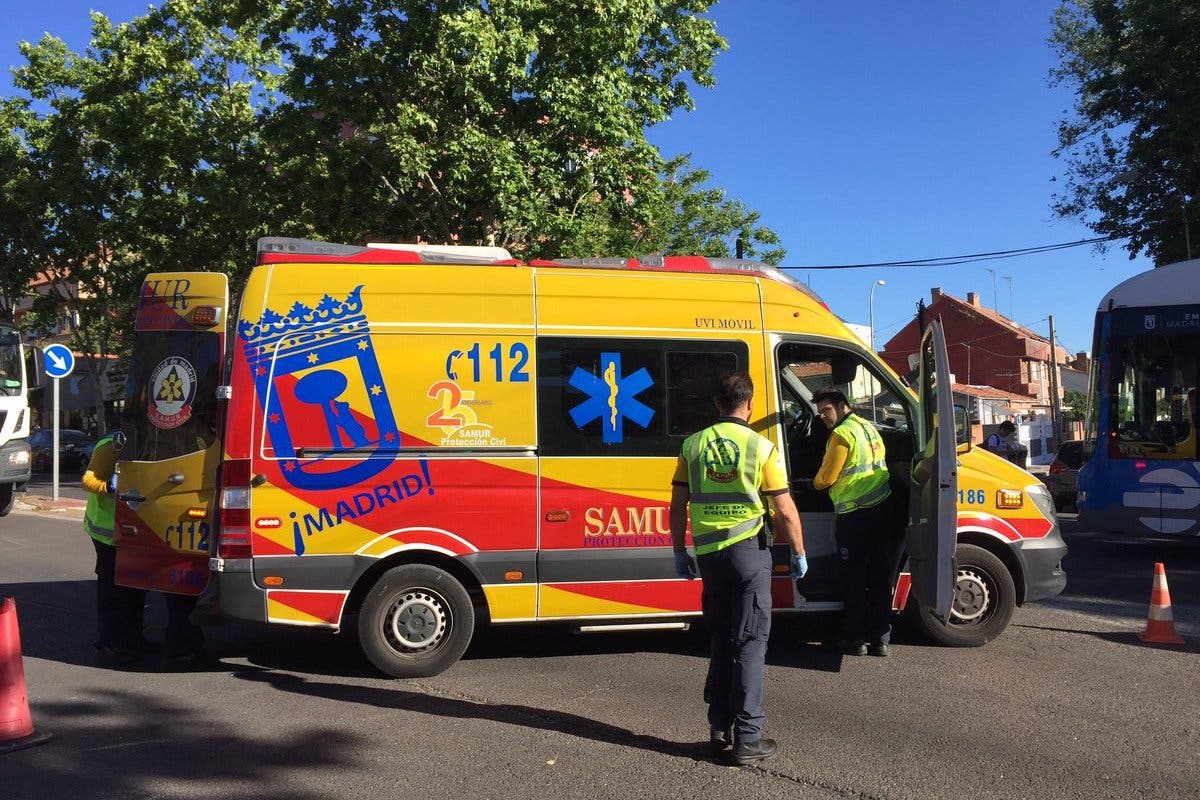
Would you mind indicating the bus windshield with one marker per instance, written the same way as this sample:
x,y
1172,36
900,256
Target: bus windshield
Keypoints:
x,y
10,363
171,395
1151,391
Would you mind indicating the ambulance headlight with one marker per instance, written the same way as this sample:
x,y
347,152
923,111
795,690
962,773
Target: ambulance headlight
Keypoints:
x,y
1042,498
18,458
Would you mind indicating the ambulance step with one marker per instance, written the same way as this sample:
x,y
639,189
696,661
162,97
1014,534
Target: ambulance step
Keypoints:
x,y
634,626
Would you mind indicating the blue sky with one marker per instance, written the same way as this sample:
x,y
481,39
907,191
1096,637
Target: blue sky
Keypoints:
x,y
863,132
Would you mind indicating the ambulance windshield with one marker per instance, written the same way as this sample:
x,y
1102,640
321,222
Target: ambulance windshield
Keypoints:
x,y
170,395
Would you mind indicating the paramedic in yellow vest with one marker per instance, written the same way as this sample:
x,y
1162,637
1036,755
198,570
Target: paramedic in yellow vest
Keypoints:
x,y
855,473
118,609
723,476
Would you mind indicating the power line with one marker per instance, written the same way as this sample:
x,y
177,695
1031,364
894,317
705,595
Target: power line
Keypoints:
x,y
948,261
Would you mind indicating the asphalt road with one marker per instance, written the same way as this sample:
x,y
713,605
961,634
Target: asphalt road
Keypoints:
x,y
1066,704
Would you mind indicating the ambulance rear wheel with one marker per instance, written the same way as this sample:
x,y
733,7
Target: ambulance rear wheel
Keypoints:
x,y
415,621
984,601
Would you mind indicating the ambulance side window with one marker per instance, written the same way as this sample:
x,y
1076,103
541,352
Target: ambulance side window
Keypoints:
x,y
627,397
806,369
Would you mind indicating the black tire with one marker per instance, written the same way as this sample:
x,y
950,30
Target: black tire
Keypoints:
x,y
8,498
416,621
984,600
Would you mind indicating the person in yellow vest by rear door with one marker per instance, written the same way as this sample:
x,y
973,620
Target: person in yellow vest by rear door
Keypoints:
x,y
724,475
119,609
855,473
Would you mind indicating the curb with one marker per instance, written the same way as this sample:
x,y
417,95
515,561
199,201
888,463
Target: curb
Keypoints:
x,y
42,505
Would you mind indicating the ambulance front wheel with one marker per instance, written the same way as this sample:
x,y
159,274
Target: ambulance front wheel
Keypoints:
x,y
984,600
416,621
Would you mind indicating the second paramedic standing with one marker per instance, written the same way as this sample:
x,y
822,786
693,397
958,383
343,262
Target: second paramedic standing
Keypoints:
x,y
855,473
722,475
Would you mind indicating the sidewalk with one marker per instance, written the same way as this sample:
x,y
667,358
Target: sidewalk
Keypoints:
x,y
43,504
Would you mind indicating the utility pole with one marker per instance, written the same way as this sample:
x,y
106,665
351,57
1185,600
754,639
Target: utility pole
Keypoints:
x,y
1055,411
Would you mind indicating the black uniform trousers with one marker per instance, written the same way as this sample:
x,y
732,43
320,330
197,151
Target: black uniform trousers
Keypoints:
x,y
181,637
736,603
869,545
119,609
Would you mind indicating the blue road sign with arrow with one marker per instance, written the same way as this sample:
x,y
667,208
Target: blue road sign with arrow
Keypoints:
x,y
58,360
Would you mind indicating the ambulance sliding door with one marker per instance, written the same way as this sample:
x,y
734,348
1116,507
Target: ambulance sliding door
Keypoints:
x,y
612,415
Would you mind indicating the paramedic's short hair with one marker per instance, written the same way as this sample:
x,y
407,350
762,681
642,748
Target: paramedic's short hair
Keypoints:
x,y
733,390
835,397
1007,426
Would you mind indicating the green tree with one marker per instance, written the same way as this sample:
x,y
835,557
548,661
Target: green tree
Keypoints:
x,y
697,218
140,154
1075,405
177,139
1132,142
519,123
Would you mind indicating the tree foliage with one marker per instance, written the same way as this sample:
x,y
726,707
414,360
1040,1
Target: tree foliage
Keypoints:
x,y
139,154
1075,405
519,123
175,140
1132,141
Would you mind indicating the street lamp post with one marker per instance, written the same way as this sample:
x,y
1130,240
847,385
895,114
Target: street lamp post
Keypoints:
x,y
871,320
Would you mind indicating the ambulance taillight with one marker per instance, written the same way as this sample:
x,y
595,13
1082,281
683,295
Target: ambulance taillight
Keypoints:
x,y
234,507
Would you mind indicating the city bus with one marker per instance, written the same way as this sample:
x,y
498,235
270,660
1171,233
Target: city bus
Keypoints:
x,y
409,441
1141,470
15,461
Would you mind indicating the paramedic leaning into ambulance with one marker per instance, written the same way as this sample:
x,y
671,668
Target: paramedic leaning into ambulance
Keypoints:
x,y
118,609
723,473
856,474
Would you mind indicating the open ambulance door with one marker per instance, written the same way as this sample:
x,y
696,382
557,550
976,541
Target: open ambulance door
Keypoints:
x,y
931,535
167,462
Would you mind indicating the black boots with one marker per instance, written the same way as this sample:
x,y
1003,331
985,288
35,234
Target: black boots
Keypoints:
x,y
758,750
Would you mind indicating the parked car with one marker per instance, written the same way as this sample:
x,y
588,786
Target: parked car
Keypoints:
x,y
74,450
1060,480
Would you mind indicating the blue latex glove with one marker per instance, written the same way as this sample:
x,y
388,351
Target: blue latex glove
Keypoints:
x,y
799,566
112,484
685,566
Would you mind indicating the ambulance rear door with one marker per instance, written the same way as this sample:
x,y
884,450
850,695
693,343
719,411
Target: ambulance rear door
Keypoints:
x,y
931,534
167,463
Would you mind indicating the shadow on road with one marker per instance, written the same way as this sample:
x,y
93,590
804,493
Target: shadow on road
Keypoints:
x,y
58,622
127,744
508,713
1119,637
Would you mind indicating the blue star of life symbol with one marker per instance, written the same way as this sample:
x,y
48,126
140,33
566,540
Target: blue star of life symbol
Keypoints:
x,y
611,398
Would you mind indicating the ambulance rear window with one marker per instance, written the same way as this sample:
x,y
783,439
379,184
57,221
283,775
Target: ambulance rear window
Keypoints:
x,y
170,395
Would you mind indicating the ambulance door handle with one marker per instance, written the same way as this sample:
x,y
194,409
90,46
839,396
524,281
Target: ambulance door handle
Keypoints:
x,y
258,480
133,497
175,478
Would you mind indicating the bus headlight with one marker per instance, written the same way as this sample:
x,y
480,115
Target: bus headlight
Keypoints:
x,y
1042,499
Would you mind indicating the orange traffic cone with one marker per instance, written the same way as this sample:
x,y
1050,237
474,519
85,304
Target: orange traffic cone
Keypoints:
x,y
16,726
1160,625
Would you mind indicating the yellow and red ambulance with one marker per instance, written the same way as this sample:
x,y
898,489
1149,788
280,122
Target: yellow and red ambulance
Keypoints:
x,y
411,440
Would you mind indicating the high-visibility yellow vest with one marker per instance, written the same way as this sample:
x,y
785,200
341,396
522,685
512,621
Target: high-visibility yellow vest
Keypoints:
x,y
864,479
99,518
723,468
